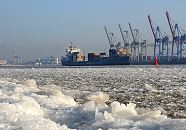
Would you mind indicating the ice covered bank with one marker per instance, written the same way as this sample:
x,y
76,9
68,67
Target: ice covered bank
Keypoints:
x,y
24,105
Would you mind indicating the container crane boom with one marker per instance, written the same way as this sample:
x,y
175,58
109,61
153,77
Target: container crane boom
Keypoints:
x,y
170,25
132,32
172,32
108,37
152,28
122,34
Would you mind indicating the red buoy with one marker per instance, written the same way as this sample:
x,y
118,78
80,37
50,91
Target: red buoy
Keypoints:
x,y
156,61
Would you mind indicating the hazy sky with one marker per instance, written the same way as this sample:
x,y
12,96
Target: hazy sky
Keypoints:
x,y
39,28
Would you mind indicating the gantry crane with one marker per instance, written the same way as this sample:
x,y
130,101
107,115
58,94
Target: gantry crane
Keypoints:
x,y
114,44
124,35
161,42
135,44
138,48
178,38
110,42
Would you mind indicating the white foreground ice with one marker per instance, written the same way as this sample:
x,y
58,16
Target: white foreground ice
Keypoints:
x,y
26,106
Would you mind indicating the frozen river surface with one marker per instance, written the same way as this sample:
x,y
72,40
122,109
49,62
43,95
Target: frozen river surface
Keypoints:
x,y
118,97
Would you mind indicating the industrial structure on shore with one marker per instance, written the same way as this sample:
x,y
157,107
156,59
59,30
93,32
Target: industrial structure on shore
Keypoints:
x,y
166,49
51,60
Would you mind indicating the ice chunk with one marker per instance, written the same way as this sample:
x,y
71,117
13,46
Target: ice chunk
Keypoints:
x,y
89,106
52,92
150,88
8,112
19,90
99,98
153,115
29,106
108,117
64,100
99,116
54,99
121,110
30,82
30,85
15,81
115,106
38,123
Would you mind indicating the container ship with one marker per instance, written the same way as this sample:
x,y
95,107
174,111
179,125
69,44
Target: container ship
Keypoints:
x,y
118,55
75,57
